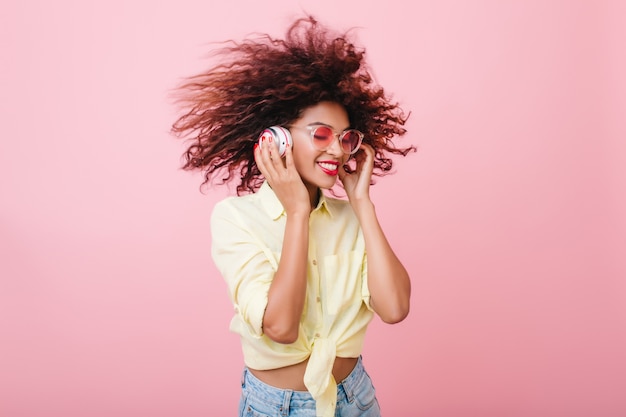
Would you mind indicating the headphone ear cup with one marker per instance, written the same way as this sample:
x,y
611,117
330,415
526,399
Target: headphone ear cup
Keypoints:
x,y
280,135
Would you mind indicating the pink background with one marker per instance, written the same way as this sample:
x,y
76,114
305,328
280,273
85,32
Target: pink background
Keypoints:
x,y
510,218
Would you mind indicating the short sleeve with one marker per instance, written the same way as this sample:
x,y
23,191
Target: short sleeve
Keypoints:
x,y
244,264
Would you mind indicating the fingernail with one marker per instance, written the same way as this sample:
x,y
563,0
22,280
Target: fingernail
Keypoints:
x,y
256,145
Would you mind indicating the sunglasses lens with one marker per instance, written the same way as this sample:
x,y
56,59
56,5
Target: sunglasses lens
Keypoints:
x,y
323,137
350,140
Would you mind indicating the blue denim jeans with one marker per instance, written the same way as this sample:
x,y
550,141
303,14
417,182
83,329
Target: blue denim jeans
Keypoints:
x,y
355,397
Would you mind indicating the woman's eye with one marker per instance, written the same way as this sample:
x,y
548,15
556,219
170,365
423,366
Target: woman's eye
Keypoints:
x,y
322,133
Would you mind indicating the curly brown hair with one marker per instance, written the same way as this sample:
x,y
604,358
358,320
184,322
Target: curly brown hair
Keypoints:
x,y
267,82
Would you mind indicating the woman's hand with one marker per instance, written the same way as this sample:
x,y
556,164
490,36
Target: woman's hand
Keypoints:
x,y
357,183
282,176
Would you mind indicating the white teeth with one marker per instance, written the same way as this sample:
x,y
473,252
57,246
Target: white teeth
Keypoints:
x,y
328,166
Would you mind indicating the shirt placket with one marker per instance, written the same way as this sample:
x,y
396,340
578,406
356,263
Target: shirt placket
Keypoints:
x,y
318,319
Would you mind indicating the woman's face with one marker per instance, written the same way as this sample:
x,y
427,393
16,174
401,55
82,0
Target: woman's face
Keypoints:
x,y
318,169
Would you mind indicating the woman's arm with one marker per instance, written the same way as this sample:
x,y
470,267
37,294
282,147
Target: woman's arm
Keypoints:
x,y
387,279
285,299
287,292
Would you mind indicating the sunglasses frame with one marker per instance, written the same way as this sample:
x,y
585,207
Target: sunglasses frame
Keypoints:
x,y
338,136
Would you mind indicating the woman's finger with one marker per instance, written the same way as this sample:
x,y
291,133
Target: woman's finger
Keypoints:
x,y
366,158
258,159
289,163
274,154
263,160
271,158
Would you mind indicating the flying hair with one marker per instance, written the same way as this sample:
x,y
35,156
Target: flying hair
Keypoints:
x,y
262,81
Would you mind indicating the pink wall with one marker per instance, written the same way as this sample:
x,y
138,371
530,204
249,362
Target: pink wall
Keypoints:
x,y
510,218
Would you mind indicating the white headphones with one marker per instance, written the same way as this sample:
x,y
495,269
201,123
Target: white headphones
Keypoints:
x,y
280,135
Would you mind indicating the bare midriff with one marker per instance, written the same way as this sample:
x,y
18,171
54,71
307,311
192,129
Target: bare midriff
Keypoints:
x,y
292,376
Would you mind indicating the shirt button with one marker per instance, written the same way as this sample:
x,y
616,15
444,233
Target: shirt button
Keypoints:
x,y
317,335
318,299
314,262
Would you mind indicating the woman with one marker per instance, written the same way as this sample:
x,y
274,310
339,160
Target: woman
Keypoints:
x,y
306,272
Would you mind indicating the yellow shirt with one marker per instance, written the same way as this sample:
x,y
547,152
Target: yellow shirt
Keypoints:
x,y
247,236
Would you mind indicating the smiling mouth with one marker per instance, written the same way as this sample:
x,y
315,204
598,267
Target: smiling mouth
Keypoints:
x,y
330,168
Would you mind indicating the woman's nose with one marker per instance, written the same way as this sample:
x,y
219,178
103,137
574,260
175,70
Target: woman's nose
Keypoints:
x,y
335,147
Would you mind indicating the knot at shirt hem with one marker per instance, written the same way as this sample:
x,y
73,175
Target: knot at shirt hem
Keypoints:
x,y
318,376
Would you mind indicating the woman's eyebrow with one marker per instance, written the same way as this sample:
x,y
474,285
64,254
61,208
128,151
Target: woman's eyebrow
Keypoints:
x,y
327,125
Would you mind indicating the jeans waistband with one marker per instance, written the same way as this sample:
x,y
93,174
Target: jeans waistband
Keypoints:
x,y
286,397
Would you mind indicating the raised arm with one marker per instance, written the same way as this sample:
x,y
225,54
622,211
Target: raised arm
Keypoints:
x,y
287,291
387,279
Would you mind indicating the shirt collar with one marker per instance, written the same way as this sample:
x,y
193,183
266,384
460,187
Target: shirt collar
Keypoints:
x,y
272,206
